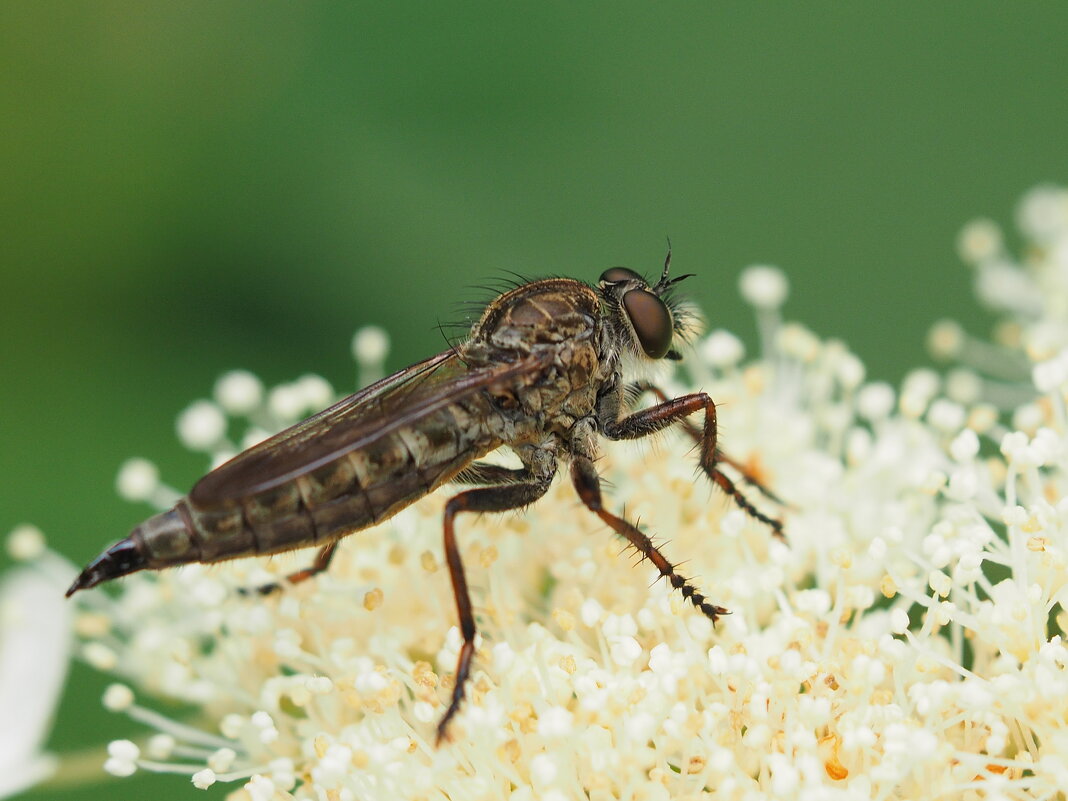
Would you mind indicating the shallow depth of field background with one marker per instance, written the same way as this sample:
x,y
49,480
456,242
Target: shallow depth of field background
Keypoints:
x,y
194,187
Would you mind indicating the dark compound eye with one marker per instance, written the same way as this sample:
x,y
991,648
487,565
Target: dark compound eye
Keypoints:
x,y
616,274
651,320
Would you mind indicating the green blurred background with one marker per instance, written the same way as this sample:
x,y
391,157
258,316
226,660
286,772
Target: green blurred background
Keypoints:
x,y
192,187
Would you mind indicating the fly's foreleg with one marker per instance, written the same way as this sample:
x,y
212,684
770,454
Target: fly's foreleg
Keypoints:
x,y
649,421
321,563
695,434
486,499
588,484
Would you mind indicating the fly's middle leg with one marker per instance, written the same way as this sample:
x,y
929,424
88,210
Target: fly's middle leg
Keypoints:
x,y
588,484
485,499
321,563
648,421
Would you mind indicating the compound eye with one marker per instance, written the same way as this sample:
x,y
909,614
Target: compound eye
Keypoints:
x,y
615,275
651,321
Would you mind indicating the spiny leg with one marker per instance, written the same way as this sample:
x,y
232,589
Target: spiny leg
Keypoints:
x,y
485,499
695,434
321,563
655,418
588,484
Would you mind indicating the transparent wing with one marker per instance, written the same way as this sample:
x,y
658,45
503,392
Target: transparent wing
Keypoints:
x,y
398,400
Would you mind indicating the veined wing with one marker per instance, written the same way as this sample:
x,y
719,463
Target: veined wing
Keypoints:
x,y
354,422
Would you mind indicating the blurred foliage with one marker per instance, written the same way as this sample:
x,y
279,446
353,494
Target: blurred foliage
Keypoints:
x,y
190,187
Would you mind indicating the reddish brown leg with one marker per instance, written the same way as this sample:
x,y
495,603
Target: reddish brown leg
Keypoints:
x,y
649,421
588,484
321,563
695,434
486,499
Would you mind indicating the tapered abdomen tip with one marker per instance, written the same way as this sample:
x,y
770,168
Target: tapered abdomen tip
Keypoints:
x,y
79,584
125,556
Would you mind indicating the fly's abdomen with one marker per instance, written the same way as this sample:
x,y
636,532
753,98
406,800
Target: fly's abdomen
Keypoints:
x,y
395,470
356,490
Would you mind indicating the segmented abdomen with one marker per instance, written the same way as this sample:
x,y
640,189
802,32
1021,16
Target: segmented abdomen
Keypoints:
x,y
354,491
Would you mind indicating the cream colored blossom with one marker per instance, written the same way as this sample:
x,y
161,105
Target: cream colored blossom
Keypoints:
x,y
35,642
906,642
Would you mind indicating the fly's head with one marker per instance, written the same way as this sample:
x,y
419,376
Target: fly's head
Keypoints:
x,y
646,321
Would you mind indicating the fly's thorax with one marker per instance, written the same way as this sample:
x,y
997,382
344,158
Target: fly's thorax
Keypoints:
x,y
558,319
547,312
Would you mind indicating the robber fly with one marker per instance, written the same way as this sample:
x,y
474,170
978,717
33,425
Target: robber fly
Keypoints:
x,y
542,372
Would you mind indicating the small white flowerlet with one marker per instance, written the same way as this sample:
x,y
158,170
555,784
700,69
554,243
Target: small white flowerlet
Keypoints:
x,y
315,391
946,416
260,788
222,760
137,480
238,392
201,426
625,650
161,746
122,758
370,345
965,387
25,543
555,722
722,349
118,698
965,446
875,401
1043,213
945,340
1049,375
763,286
979,241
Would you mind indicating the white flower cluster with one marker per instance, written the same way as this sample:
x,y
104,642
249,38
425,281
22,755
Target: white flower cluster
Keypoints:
x,y
906,641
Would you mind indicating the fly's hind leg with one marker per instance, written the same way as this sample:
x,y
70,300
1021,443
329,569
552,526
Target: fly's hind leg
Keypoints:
x,y
512,495
321,563
588,484
655,418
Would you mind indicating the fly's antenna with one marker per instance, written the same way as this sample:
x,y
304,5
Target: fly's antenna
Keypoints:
x,y
667,264
664,284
